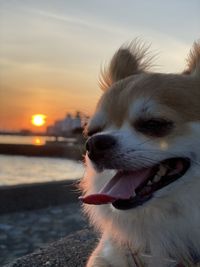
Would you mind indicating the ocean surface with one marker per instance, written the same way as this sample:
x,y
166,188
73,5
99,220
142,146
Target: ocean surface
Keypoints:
x,y
31,140
22,170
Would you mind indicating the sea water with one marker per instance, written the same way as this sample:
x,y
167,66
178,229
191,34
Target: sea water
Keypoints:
x,y
22,170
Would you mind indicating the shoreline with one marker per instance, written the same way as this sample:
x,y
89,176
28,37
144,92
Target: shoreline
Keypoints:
x,y
59,150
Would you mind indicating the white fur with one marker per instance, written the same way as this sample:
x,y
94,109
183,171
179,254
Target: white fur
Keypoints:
x,y
174,212
164,230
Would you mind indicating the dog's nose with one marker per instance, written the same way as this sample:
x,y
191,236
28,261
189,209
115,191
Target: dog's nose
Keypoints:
x,y
96,145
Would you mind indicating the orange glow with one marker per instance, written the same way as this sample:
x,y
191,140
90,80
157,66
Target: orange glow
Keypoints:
x,y
38,141
38,119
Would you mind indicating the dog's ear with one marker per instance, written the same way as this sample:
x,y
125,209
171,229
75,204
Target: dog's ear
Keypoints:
x,y
128,60
193,60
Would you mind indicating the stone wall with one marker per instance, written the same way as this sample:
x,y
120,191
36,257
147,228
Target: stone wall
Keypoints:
x,y
72,251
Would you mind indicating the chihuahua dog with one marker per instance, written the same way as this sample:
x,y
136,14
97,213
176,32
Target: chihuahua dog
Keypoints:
x,y
141,189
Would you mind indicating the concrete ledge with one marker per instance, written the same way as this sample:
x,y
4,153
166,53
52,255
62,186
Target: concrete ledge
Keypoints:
x,y
72,251
36,196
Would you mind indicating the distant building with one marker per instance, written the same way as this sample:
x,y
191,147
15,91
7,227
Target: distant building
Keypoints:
x,y
50,130
25,132
76,123
58,127
68,126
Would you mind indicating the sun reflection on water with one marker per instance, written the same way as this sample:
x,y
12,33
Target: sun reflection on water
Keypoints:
x,y
38,141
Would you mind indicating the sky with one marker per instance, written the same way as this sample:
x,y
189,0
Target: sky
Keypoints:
x,y
51,51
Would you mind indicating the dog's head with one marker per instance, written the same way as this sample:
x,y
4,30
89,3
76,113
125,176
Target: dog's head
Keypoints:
x,y
143,147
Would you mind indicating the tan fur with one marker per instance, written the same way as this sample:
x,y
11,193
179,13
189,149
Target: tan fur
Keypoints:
x,y
177,98
194,59
130,59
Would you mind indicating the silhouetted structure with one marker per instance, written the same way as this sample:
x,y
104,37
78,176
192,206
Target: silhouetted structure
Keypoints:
x,y
69,126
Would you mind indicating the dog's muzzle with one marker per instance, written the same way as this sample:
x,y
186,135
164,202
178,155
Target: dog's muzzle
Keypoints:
x,y
97,146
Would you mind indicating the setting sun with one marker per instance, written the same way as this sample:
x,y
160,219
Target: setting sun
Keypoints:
x,y
38,119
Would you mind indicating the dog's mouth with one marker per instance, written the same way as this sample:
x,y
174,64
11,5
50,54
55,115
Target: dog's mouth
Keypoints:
x,y
131,188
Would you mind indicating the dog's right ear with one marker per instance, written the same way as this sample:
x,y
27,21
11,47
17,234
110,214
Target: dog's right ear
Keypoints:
x,y
193,60
128,60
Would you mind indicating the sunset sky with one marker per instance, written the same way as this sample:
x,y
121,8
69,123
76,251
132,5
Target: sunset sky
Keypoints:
x,y
51,51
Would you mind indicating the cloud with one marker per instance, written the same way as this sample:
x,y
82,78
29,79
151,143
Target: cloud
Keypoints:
x,y
50,46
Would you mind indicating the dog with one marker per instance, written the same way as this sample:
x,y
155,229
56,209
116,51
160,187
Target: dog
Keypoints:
x,y
141,188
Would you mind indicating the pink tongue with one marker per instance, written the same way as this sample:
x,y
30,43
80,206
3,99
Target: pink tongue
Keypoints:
x,y
121,186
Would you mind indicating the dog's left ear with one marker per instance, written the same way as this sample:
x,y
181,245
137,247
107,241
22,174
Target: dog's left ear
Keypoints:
x,y
193,60
128,60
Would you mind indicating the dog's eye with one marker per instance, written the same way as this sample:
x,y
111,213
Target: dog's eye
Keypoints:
x,y
156,127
